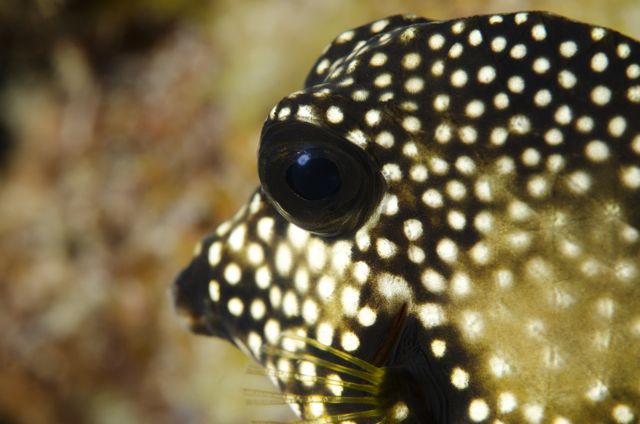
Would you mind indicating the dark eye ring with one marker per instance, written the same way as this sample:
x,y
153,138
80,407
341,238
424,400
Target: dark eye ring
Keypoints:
x,y
316,179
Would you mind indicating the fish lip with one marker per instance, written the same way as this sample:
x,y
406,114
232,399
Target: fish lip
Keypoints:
x,y
187,297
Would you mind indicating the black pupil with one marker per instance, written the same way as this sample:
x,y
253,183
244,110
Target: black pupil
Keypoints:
x,y
313,178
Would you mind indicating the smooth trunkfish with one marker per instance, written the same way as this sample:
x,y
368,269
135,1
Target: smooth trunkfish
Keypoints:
x,y
446,230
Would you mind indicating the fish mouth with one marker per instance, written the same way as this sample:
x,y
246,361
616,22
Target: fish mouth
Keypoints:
x,y
197,310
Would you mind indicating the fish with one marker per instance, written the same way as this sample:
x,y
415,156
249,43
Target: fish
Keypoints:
x,y
446,229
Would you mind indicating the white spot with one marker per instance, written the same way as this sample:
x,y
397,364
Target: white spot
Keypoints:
x,y
518,51
460,284
358,138
324,333
326,287
290,305
232,273
443,133
306,113
431,315
478,410
533,413
507,402
459,78
255,344
382,80
235,306
379,25
438,348
633,94
568,48
350,341
360,95
456,220
418,173
275,296
433,281
617,126
367,316
483,190
472,324
600,95
539,32
554,137
474,109
255,254
215,253
567,79
378,59
297,236
436,41
475,37
316,254
411,61
441,102
498,136
480,253
498,44
597,151
437,69
263,277
432,198
391,172
361,272
519,124
541,65
486,74
310,311
447,250
468,134
214,290
334,114
631,177
307,371
563,115
584,124
393,286
350,299
372,117
283,259
622,414
411,124
599,62
516,84
258,309
414,85
542,98
412,229
363,241
597,391
265,228
499,366
459,378
456,50
385,248
284,112
385,139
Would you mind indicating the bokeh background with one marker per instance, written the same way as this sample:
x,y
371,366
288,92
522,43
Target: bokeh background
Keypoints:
x,y
128,130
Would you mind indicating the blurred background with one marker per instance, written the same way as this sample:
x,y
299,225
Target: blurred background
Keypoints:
x,y
128,130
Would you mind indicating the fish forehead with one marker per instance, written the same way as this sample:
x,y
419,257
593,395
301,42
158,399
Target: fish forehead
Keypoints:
x,y
510,146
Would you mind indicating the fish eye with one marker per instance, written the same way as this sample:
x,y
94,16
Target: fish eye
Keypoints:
x,y
316,179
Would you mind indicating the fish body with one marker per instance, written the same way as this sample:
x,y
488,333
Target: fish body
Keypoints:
x,y
447,228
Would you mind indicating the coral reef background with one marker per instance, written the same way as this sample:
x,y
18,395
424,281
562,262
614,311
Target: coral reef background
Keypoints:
x,y
128,130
